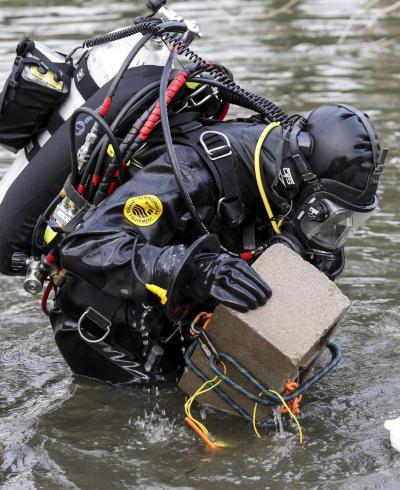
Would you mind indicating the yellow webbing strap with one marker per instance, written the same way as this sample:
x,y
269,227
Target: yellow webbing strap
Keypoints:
x,y
257,166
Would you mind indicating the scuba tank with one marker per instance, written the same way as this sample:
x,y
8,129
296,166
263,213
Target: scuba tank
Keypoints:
x,y
104,61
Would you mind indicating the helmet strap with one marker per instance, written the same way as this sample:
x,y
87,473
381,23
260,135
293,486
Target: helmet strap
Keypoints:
x,y
307,175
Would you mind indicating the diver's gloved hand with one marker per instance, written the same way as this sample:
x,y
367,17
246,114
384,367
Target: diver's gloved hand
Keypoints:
x,y
227,280
200,273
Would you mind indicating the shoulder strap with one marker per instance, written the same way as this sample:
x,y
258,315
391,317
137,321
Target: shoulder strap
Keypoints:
x,y
219,154
216,151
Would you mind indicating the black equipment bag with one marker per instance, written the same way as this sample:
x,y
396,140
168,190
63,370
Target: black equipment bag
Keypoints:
x,y
34,89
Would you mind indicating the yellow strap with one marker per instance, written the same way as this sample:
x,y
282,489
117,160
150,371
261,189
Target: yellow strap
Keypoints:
x,y
204,388
257,165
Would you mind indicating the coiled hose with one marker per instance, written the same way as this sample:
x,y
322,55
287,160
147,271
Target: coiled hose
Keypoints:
x,y
233,92
155,27
254,102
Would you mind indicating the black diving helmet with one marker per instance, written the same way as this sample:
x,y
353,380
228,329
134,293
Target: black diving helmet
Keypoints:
x,y
336,158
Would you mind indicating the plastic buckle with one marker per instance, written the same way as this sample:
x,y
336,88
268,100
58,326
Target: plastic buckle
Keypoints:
x,y
309,178
218,152
17,68
381,164
99,320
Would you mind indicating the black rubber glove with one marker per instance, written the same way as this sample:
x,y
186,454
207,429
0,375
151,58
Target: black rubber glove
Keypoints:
x,y
200,273
226,280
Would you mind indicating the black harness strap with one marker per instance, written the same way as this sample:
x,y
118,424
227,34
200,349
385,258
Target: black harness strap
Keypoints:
x,y
74,195
83,80
32,148
220,157
249,236
219,154
84,206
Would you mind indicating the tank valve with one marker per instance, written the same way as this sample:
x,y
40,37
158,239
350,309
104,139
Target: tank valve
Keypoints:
x,y
34,279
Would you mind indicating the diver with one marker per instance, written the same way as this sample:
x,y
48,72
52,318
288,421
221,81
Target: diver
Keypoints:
x,y
157,223
320,177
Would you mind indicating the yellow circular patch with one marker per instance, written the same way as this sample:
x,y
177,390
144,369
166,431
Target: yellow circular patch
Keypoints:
x,y
143,210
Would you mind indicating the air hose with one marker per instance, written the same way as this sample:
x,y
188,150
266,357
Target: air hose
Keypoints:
x,y
106,128
155,27
255,102
170,147
147,94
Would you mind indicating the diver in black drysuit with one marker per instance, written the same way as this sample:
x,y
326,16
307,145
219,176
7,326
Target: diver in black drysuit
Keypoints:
x,y
320,177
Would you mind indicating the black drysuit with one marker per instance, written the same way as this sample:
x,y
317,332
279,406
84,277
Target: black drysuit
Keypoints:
x,y
143,217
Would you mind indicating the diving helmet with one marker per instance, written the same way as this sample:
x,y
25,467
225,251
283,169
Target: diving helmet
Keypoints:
x,y
335,154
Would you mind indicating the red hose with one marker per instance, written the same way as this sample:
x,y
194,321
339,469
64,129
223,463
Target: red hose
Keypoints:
x,y
223,111
45,297
173,88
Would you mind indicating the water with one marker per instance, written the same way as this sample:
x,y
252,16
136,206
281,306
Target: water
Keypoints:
x,y
60,432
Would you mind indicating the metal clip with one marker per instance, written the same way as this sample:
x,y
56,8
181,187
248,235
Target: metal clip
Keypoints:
x,y
192,98
219,151
197,329
207,346
99,320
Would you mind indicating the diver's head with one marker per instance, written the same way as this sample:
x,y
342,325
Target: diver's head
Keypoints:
x,y
336,159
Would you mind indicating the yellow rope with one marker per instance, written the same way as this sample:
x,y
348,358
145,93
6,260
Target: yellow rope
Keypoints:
x,y
209,385
188,405
200,391
255,419
287,408
257,166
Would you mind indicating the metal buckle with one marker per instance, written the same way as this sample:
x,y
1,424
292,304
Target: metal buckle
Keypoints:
x,y
226,149
99,320
192,97
220,203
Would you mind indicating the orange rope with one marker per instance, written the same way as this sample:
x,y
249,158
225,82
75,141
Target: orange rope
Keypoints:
x,y
294,405
201,434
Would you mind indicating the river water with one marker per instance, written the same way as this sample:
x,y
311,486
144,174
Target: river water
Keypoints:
x,y
61,432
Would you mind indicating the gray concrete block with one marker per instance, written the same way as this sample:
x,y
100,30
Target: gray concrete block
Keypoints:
x,y
280,339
